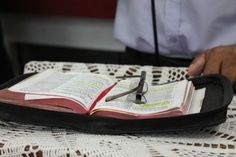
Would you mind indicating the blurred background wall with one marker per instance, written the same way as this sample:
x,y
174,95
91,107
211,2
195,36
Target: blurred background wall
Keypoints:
x,y
65,30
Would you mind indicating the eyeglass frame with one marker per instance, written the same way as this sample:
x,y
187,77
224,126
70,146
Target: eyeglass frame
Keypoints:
x,y
139,89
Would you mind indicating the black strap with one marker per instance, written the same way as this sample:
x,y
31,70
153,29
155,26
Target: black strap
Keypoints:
x,y
154,25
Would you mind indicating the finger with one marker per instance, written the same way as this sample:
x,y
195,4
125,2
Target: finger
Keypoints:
x,y
213,63
228,70
197,66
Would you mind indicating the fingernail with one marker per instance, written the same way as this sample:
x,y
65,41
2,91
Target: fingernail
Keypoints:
x,y
190,69
192,66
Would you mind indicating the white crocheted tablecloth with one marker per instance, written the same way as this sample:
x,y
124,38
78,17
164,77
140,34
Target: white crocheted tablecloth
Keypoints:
x,y
30,140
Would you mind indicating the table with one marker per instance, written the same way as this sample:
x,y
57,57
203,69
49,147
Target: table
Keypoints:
x,y
18,139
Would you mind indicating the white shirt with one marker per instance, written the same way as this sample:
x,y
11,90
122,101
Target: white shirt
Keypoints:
x,y
185,27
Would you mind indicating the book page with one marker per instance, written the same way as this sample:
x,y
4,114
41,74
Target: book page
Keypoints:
x,y
197,101
39,96
82,87
159,98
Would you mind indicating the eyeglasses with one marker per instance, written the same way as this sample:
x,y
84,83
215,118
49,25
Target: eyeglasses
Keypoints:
x,y
135,94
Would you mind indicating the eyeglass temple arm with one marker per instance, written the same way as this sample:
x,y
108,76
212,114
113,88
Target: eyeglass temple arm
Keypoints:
x,y
110,98
123,77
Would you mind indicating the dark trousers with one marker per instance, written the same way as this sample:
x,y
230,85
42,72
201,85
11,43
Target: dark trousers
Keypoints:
x,y
132,56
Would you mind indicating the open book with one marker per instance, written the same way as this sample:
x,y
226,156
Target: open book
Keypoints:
x,y
86,93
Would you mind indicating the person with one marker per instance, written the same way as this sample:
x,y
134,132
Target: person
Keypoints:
x,y
201,31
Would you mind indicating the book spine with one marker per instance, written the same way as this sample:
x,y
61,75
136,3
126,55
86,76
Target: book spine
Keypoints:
x,y
104,93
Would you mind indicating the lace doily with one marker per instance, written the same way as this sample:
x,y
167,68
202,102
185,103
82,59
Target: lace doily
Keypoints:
x,y
29,140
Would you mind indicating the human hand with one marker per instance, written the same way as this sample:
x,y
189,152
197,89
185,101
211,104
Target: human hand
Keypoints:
x,y
218,60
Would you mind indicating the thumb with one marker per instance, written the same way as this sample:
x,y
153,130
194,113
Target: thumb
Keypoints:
x,y
197,66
